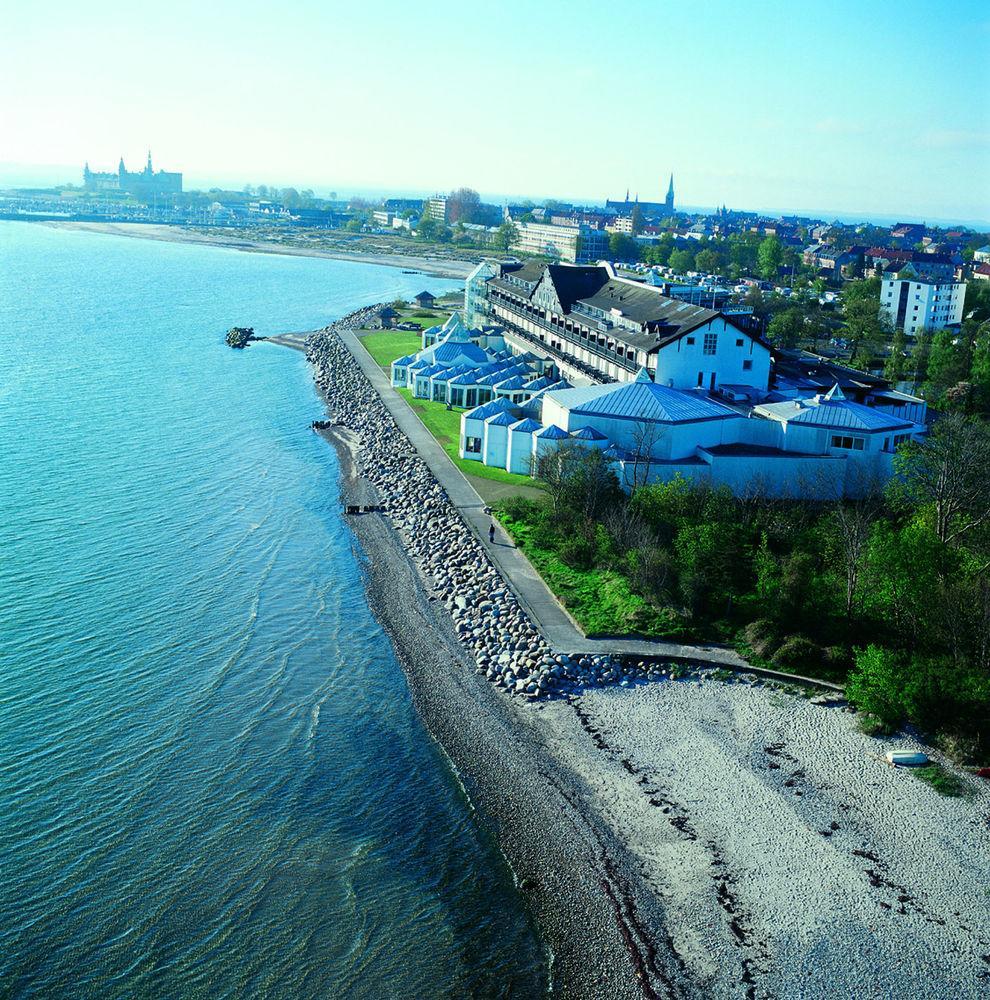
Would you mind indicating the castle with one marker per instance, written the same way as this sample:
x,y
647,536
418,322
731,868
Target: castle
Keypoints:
x,y
654,209
145,184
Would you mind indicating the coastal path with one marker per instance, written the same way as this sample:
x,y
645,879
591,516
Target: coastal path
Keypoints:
x,y
543,608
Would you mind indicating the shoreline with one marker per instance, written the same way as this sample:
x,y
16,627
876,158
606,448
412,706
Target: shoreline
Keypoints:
x,y
435,267
671,838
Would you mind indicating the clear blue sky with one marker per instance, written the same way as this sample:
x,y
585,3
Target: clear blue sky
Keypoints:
x,y
845,106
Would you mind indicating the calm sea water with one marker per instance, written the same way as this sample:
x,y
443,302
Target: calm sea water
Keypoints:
x,y
212,781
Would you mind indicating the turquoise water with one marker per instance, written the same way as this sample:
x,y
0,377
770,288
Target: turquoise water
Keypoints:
x,y
212,781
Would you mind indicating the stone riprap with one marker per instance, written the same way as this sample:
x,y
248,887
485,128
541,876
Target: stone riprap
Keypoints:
x,y
489,621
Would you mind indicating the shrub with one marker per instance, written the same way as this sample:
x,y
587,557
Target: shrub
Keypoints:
x,y
876,685
579,551
944,782
761,636
517,509
799,653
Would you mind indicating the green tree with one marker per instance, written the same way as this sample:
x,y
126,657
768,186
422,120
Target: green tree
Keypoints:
x,y
622,246
769,257
637,219
786,327
707,260
948,363
896,363
682,260
979,370
507,235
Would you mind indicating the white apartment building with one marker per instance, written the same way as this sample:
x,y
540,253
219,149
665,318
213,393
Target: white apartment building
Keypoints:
x,y
572,244
918,304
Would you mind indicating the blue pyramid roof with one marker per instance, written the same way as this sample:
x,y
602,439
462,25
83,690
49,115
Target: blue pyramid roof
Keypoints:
x,y
525,426
588,434
552,433
503,419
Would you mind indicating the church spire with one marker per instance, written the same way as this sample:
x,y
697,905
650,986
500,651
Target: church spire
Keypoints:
x,y
148,168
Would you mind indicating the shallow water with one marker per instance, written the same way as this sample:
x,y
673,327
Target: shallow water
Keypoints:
x,y
212,781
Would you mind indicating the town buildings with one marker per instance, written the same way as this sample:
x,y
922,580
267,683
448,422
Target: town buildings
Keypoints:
x,y
146,184
436,208
917,304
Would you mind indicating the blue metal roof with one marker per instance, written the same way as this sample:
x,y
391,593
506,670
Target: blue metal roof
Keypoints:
x,y
406,359
822,412
525,426
515,382
450,352
588,434
503,419
552,433
487,410
642,401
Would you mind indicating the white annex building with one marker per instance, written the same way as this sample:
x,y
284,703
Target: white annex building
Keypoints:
x,y
916,304
709,401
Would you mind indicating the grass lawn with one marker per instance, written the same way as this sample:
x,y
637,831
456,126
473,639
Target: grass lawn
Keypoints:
x,y
599,599
387,345
434,319
943,781
445,426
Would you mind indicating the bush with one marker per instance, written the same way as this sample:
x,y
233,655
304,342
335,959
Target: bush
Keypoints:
x,y
798,653
518,509
876,685
579,551
761,637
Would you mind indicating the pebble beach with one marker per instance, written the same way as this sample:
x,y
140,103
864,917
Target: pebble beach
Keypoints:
x,y
673,837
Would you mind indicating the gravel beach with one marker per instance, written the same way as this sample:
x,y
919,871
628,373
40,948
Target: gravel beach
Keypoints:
x,y
688,838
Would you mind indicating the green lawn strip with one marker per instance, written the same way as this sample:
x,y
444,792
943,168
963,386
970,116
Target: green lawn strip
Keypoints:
x,y
425,321
599,599
943,781
387,345
445,426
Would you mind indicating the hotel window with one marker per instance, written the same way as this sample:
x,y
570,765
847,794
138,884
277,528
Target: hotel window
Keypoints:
x,y
747,365
711,343
848,443
472,446
690,341
739,343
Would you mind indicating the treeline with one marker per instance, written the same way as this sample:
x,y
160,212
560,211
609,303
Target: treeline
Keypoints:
x,y
890,593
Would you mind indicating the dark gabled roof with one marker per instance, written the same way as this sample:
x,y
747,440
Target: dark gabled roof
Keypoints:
x,y
803,365
574,283
425,295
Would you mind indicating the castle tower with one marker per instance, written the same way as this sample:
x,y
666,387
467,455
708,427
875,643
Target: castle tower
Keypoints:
x,y
670,196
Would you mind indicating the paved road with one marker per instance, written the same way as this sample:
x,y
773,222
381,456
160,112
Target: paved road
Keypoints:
x,y
560,630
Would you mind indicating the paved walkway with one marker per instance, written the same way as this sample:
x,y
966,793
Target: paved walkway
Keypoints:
x,y
560,630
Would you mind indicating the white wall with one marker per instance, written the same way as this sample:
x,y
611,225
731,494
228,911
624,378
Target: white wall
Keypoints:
x,y
495,445
519,454
679,363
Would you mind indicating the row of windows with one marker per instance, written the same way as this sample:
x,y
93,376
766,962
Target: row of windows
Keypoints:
x,y
848,443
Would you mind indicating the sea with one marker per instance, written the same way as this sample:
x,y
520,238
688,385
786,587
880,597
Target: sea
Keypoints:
x,y
213,782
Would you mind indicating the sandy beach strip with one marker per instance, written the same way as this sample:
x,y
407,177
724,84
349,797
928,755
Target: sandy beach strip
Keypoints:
x,y
438,267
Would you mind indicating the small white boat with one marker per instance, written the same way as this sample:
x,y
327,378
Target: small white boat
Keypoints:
x,y
906,758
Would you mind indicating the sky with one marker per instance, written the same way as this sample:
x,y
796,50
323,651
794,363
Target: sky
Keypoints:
x,y
845,107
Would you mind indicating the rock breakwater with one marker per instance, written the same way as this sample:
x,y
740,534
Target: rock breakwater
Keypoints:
x,y
489,621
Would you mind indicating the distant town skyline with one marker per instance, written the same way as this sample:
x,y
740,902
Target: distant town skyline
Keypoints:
x,y
826,111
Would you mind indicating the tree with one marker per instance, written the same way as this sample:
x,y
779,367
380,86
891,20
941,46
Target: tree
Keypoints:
x,y
948,362
623,247
707,260
853,522
894,368
786,327
949,471
507,235
682,260
636,219
769,257
979,369
977,302
462,205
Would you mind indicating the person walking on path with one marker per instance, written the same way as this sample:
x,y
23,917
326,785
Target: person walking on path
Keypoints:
x,y
491,533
